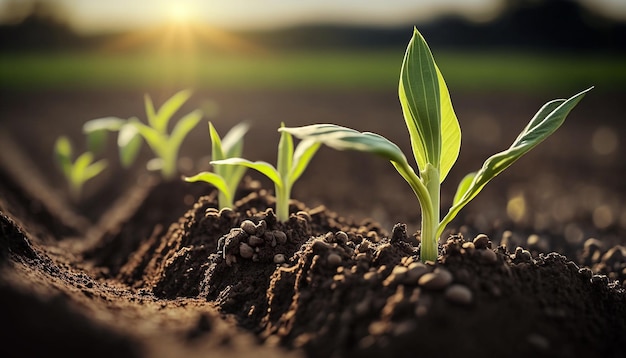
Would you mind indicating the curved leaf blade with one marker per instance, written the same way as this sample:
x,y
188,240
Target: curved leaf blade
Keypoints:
x,y
463,187
450,130
232,143
129,143
264,168
547,120
182,128
302,156
63,155
285,153
342,138
94,169
213,179
419,96
168,109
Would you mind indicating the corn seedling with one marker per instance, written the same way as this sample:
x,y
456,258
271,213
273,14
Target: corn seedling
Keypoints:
x,y
225,178
79,171
291,165
436,139
164,145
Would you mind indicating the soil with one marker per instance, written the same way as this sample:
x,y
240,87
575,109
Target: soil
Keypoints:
x,y
146,268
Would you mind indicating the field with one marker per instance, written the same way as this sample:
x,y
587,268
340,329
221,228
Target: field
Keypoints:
x,y
479,71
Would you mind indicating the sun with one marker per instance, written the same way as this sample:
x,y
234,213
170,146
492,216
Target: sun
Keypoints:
x,y
180,12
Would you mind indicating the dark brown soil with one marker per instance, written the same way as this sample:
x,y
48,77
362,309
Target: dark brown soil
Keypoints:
x,y
144,268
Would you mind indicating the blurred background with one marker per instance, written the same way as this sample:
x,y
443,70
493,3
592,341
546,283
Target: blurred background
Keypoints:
x,y
63,62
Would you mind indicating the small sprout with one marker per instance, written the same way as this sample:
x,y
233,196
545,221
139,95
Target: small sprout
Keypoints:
x,y
436,138
225,178
78,172
164,145
291,164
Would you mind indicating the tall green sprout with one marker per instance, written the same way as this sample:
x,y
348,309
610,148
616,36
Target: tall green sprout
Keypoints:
x,y
435,140
164,145
225,178
291,165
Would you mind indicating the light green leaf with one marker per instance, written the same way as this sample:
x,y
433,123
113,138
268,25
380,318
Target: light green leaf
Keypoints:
x,y
217,153
547,120
155,140
213,179
263,167
129,143
168,109
232,144
305,151
96,131
464,185
150,111
107,123
285,153
182,128
342,138
94,169
155,164
80,165
450,131
63,155
419,95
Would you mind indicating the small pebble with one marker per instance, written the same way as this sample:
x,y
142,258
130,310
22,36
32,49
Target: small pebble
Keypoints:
x,y
279,259
436,280
538,341
261,227
341,237
333,260
489,256
280,236
249,227
255,241
245,250
459,294
481,241
415,271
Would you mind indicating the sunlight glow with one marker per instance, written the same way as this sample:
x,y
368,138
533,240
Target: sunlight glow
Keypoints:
x,y
180,12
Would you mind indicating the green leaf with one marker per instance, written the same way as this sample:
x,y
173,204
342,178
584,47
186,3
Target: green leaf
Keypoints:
x,y
216,152
263,167
94,169
464,185
80,165
155,140
150,111
213,179
450,131
107,123
547,120
63,155
419,95
96,131
168,109
181,130
302,156
232,144
285,154
342,138
129,143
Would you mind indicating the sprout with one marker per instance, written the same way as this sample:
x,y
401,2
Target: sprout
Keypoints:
x,y
436,138
78,172
291,165
225,178
164,145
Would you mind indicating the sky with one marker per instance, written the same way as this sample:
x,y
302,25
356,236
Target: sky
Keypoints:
x,y
93,16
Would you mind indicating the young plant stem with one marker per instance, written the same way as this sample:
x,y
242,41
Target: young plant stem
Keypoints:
x,y
282,202
430,218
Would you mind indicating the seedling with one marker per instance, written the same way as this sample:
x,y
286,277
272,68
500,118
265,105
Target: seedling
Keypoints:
x,y
291,165
225,178
76,172
436,138
164,145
